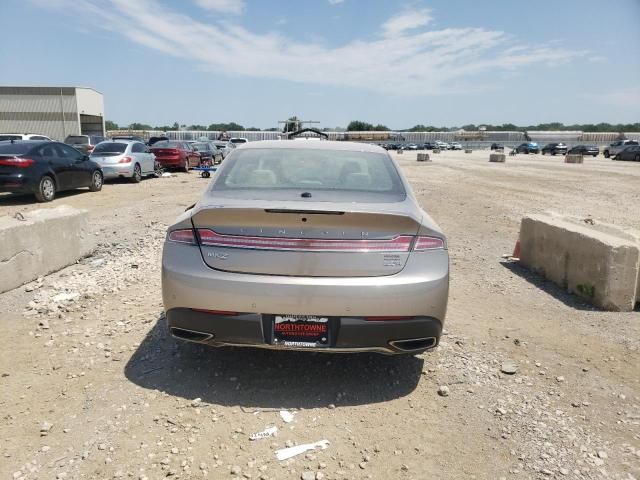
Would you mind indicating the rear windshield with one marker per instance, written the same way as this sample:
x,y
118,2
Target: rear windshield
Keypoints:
x,y
18,148
77,140
10,137
165,144
109,147
307,169
201,146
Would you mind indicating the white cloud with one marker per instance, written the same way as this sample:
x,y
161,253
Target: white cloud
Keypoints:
x,y
399,58
335,2
405,21
625,98
235,7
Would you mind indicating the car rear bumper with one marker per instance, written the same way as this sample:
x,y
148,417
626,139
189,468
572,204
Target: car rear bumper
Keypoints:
x,y
170,162
113,171
16,183
419,291
349,334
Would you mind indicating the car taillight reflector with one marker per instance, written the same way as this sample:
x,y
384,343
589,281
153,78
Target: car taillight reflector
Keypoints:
x,y
384,319
125,160
90,147
16,162
216,312
182,236
428,243
210,238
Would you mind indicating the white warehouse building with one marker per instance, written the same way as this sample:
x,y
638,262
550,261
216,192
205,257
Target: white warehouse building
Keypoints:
x,y
52,111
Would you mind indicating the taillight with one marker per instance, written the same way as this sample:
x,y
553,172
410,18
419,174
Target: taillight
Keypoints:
x,y
17,162
401,243
126,160
428,243
398,244
90,148
182,236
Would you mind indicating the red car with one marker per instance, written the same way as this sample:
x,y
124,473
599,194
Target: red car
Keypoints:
x,y
171,154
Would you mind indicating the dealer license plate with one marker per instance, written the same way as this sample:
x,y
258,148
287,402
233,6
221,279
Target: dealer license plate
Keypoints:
x,y
301,331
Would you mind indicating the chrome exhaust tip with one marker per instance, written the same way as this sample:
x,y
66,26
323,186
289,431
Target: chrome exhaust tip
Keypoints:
x,y
414,344
191,335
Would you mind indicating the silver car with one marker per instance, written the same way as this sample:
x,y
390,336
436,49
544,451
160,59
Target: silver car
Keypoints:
x,y
308,246
124,158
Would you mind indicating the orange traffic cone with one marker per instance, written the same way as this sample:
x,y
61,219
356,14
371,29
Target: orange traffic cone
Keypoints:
x,y
516,250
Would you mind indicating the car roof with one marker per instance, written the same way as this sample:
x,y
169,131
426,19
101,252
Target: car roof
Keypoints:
x,y
322,145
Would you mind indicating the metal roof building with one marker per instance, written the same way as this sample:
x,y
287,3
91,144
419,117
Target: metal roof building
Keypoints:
x,y
52,111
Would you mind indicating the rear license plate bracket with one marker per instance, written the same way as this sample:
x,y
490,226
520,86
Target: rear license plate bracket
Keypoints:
x,y
305,331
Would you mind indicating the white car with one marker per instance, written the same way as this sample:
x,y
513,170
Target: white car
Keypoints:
x,y
442,145
23,136
455,146
124,158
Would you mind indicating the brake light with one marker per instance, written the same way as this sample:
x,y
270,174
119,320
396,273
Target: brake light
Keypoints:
x,y
17,162
182,236
90,148
126,160
428,243
401,243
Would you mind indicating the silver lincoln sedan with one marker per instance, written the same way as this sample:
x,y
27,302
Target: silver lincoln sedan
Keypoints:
x,y
307,245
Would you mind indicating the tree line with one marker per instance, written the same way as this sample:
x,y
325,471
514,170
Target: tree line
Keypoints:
x,y
360,126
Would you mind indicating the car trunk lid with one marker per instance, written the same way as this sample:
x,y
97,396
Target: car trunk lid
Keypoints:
x,y
314,239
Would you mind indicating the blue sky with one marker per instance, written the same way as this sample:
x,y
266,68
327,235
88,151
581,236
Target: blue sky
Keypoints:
x,y
437,62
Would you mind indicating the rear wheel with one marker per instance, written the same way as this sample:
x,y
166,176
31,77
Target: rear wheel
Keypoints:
x,y
46,189
137,174
157,169
96,181
606,154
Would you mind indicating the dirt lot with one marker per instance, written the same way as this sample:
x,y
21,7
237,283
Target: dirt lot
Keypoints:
x,y
93,387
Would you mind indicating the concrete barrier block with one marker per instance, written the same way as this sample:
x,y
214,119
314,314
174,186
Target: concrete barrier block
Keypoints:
x,y
573,158
45,241
423,157
497,157
468,150
601,263
436,150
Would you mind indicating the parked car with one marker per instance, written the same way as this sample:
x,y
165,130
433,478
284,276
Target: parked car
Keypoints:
x,y
175,154
225,147
124,159
410,146
238,140
44,168
441,145
616,147
128,137
209,154
22,136
529,147
632,152
153,140
554,149
585,150
497,146
455,146
84,143
427,146
307,246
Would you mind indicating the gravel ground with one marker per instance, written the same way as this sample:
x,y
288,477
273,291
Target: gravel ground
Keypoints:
x,y
92,386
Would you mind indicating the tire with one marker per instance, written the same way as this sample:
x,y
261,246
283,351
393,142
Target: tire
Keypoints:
x,y
185,167
137,174
606,154
96,181
46,189
157,169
